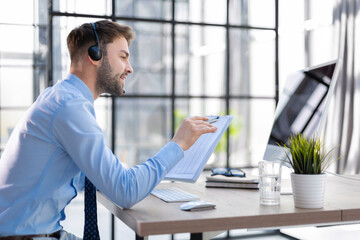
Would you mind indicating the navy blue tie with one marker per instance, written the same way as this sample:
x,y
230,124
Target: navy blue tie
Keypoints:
x,y
91,231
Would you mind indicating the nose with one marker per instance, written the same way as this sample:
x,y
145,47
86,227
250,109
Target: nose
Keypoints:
x,y
128,68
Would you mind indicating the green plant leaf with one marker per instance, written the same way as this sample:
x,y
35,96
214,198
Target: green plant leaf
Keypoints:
x,y
308,156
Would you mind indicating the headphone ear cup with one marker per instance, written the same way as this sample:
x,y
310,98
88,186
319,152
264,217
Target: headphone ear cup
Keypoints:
x,y
94,53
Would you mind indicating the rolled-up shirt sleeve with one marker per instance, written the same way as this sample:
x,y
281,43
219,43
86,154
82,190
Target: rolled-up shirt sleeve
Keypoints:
x,y
75,130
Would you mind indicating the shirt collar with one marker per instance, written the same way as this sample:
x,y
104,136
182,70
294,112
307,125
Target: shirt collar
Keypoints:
x,y
80,85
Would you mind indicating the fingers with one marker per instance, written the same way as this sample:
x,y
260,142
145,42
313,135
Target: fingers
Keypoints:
x,y
199,123
206,129
190,130
199,118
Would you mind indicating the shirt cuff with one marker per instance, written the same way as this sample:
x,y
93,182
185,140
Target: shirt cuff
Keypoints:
x,y
170,155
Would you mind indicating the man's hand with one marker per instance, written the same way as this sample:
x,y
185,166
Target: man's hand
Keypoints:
x,y
190,130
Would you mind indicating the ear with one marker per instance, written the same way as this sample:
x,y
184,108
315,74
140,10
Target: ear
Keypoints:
x,y
93,62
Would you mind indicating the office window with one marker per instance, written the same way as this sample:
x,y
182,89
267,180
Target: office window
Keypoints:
x,y
150,59
249,130
143,126
307,35
259,13
200,60
321,37
20,83
152,9
97,7
201,11
11,13
252,58
23,47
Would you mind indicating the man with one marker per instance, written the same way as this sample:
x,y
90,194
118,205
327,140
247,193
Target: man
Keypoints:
x,y
58,142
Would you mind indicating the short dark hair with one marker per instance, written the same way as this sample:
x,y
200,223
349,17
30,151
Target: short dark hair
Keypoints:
x,y
82,37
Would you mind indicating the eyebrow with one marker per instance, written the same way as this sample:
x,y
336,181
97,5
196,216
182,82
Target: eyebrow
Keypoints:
x,y
126,52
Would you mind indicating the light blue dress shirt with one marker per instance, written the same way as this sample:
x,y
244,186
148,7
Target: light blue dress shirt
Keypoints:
x,y
52,147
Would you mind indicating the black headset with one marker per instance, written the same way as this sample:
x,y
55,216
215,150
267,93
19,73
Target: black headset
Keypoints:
x,y
94,51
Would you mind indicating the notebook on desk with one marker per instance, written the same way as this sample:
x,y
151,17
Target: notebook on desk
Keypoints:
x,y
220,181
189,168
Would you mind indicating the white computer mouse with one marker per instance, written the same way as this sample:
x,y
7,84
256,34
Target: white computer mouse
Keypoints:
x,y
197,205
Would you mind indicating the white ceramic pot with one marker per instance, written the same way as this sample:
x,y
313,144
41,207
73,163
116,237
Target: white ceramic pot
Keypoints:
x,y
308,190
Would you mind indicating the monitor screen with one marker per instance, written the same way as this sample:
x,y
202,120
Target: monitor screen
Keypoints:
x,y
302,106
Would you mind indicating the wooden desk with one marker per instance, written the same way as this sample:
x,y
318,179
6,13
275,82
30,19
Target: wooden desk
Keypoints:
x,y
237,209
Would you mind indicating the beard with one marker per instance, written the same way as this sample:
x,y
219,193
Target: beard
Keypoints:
x,y
106,82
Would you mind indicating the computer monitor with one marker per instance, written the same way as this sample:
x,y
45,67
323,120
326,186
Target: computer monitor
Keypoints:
x,y
302,106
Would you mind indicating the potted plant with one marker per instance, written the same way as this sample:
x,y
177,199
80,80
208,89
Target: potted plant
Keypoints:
x,y
309,160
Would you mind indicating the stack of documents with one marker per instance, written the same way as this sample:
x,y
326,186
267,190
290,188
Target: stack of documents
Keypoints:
x,y
221,181
189,168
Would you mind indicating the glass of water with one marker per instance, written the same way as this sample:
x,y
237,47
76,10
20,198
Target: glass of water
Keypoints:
x,y
270,182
